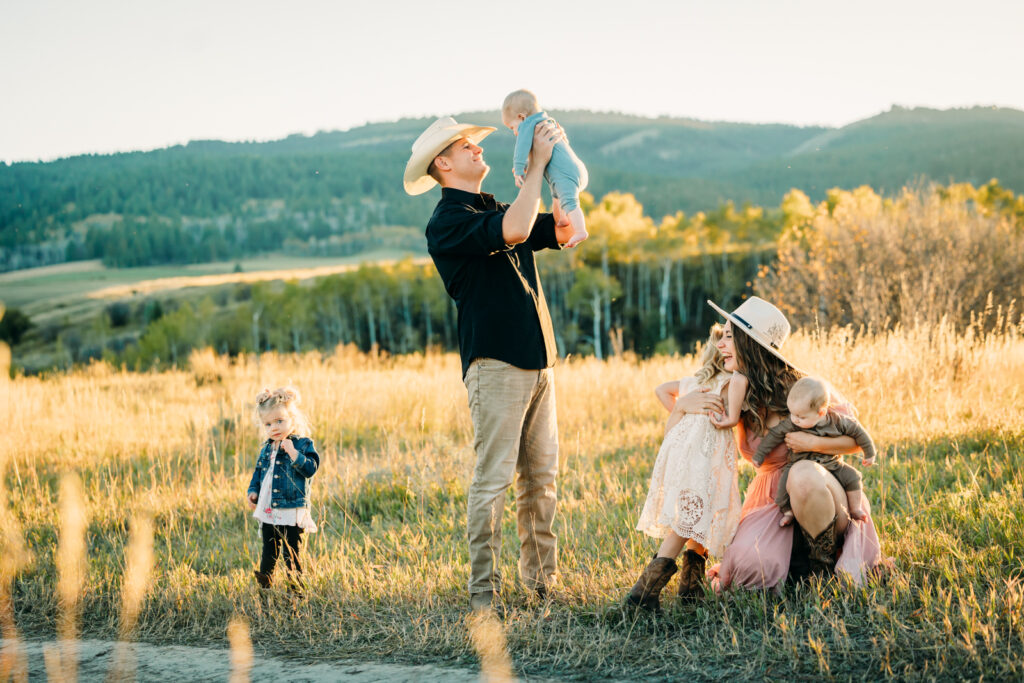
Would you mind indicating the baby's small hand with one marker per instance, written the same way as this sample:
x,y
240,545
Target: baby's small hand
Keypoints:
x,y
868,462
289,448
252,500
520,179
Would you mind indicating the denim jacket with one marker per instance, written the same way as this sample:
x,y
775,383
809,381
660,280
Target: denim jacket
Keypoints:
x,y
290,489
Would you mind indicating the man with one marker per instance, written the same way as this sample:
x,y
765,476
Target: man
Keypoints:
x,y
483,251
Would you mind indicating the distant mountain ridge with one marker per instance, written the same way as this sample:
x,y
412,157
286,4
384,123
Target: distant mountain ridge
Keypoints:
x,y
351,179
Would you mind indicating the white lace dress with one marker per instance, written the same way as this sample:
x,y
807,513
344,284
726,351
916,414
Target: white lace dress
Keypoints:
x,y
694,484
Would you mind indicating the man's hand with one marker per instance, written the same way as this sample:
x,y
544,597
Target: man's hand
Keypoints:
x,y
545,136
867,462
289,448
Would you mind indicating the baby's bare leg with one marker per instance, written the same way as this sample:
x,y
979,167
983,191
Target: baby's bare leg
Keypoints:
x,y
854,498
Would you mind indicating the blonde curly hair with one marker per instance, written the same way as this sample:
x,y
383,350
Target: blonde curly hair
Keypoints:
x,y
711,361
287,398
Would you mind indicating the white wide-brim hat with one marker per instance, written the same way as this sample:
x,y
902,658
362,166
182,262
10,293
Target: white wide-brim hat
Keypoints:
x,y
762,322
432,142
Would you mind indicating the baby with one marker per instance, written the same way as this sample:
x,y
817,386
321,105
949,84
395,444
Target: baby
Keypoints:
x,y
809,411
565,173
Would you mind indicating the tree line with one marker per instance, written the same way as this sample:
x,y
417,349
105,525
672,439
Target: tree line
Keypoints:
x,y
854,259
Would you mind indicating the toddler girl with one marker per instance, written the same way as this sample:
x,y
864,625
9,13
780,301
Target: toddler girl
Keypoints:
x,y
278,491
565,173
693,500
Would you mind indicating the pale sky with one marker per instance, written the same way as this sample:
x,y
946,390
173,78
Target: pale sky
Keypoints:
x,y
118,75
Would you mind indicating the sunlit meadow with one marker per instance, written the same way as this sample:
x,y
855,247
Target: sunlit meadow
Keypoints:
x,y
388,568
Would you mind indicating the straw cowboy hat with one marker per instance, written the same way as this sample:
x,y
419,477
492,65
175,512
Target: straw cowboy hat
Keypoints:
x,y
762,322
432,142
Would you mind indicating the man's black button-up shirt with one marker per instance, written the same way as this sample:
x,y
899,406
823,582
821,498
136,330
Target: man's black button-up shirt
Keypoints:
x,y
502,311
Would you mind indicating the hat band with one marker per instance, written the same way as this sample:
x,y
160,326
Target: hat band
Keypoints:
x,y
751,327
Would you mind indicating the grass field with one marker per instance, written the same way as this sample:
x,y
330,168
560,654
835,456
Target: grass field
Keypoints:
x,y
388,568
81,286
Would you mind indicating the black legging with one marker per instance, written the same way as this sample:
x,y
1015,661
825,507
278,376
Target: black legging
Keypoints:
x,y
272,537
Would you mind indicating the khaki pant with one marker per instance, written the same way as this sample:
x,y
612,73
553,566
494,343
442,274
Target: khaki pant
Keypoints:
x,y
515,432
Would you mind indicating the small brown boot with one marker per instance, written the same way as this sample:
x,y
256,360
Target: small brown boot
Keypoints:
x,y
691,575
821,550
262,579
650,584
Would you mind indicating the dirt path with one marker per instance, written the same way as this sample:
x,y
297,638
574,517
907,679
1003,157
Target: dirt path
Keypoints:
x,y
180,663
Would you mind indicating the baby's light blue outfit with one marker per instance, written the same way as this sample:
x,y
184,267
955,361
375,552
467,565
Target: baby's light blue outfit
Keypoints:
x,y
565,173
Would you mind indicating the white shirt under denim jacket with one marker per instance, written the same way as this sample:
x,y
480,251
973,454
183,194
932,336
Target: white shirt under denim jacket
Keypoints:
x,y
281,484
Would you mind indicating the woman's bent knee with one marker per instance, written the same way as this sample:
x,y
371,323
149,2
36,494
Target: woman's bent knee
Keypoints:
x,y
816,497
806,478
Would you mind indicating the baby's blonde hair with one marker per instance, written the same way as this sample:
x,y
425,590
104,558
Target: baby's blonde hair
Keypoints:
x,y
289,399
711,361
813,390
519,102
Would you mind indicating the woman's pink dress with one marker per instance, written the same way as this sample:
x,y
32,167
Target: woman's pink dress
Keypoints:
x,y
758,556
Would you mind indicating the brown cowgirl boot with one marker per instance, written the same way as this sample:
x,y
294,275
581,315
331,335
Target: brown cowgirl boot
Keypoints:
x,y
821,549
691,575
650,584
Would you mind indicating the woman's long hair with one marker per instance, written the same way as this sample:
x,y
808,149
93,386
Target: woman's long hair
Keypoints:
x,y
769,380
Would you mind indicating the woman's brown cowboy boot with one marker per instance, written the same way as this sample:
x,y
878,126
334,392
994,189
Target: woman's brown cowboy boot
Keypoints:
x,y
821,549
262,579
650,584
691,575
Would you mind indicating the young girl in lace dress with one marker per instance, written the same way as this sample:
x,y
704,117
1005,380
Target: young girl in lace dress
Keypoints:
x,y
693,501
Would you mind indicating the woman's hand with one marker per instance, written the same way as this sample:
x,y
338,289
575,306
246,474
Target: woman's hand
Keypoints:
x,y
700,401
252,500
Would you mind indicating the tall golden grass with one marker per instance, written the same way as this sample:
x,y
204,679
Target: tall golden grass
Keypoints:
x,y
387,570
241,650
62,659
135,582
488,638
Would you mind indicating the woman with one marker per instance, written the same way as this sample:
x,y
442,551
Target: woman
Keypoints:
x,y
762,554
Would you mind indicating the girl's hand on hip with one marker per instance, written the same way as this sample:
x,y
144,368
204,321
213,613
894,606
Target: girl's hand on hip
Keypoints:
x,y
700,401
252,500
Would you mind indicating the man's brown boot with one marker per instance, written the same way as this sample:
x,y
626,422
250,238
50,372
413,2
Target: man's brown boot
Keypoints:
x,y
691,575
650,584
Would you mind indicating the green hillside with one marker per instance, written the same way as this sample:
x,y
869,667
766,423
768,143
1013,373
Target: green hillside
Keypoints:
x,y
339,193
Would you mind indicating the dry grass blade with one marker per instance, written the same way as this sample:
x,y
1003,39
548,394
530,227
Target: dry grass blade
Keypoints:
x,y
488,638
13,557
241,650
138,566
71,572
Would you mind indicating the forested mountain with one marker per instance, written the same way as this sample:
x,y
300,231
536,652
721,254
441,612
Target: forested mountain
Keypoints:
x,y
336,193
